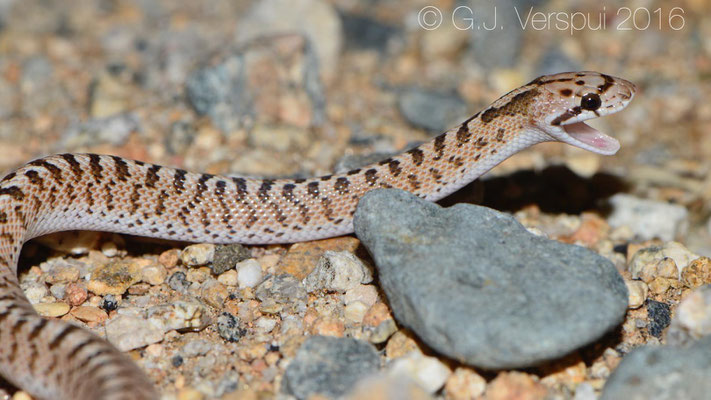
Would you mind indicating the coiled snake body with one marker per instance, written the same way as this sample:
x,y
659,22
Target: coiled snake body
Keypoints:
x,y
55,360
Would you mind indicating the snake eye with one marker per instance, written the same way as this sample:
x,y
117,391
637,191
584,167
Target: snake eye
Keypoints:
x,y
591,101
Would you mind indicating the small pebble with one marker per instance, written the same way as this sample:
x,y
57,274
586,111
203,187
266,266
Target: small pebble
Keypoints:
x,y
114,278
354,312
110,303
648,219
697,273
428,372
154,274
228,278
51,309
214,293
337,271
197,255
62,273
169,258
228,327
109,249
198,275
128,332
178,282
464,384
75,294
196,348
89,314
249,273
383,331
226,256
58,290
648,255
179,315
34,291
637,292
366,294
265,324
510,385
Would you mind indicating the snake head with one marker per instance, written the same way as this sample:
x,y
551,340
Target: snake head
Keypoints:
x,y
574,97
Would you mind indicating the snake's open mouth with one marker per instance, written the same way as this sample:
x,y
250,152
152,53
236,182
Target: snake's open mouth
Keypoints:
x,y
589,138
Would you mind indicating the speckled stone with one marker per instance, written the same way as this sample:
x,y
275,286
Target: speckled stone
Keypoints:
x,y
338,271
227,256
114,278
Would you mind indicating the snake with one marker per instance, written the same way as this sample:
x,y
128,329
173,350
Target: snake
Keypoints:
x,y
52,359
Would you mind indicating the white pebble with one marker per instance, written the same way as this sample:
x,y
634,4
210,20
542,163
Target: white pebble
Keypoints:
x,y
637,293
265,324
366,294
648,219
249,273
34,291
428,372
338,271
128,332
355,312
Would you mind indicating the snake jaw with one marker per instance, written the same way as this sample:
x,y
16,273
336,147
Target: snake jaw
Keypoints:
x,y
582,135
581,96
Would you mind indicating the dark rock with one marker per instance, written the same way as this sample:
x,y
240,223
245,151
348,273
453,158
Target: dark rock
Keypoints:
x,y
659,315
663,373
329,366
431,110
226,256
476,286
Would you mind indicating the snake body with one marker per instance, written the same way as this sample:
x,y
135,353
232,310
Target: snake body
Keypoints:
x,y
55,360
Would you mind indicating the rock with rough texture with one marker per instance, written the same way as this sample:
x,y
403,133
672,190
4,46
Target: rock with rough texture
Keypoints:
x,y
128,332
648,219
227,256
663,373
476,286
329,366
338,272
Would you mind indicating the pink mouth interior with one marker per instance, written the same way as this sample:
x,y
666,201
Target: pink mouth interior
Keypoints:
x,y
599,142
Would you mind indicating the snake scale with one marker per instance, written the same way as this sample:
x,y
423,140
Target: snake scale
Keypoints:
x,y
55,360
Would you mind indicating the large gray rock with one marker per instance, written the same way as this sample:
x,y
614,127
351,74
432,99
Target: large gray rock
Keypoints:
x,y
476,286
663,373
329,366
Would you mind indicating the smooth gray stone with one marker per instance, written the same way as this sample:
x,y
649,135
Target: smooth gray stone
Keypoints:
x,y
329,366
434,111
663,373
476,286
